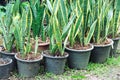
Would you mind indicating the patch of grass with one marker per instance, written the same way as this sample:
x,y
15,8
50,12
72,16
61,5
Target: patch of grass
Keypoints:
x,y
78,77
97,69
113,61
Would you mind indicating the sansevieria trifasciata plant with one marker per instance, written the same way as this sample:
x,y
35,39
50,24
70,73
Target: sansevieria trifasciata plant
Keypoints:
x,y
22,31
60,21
101,9
57,35
114,23
6,27
38,11
83,28
80,34
102,45
28,61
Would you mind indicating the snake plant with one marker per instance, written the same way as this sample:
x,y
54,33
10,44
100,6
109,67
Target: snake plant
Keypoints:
x,y
100,12
6,27
6,24
38,10
115,13
56,34
83,28
22,31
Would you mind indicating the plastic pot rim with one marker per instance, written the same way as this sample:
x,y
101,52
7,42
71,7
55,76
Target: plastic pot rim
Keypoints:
x,y
54,57
91,48
115,38
10,61
44,44
106,45
28,61
8,53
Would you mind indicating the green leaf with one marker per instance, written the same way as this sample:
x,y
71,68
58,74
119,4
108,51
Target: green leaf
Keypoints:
x,y
77,24
64,11
57,34
49,6
67,27
56,7
90,34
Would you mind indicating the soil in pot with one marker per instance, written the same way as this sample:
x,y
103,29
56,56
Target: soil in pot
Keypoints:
x,y
6,54
78,56
115,45
100,53
5,67
42,45
54,63
29,65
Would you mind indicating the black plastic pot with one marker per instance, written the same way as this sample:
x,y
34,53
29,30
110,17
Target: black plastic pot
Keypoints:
x,y
78,59
100,53
11,56
115,45
53,64
28,68
5,68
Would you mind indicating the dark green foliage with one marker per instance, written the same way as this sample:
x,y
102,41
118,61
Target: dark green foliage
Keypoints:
x,y
38,18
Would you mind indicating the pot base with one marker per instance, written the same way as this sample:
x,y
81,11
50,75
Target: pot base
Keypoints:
x,y
5,69
55,65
